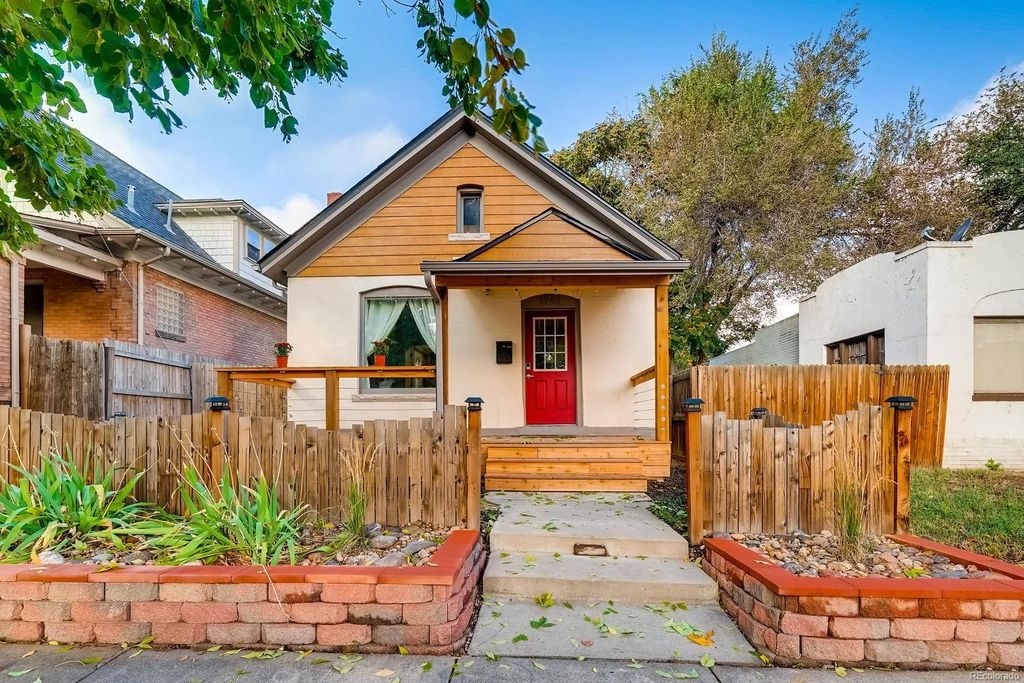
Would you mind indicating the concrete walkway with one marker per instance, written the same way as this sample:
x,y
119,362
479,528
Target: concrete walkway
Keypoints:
x,y
50,664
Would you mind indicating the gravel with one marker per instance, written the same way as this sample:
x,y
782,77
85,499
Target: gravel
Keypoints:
x,y
818,555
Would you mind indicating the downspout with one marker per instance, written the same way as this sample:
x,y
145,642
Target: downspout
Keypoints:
x,y
428,278
15,334
140,294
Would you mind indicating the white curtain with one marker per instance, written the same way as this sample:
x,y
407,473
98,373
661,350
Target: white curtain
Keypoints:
x,y
381,316
424,312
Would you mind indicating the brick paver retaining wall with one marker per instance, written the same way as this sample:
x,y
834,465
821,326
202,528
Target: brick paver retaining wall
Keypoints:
x,y
373,609
913,623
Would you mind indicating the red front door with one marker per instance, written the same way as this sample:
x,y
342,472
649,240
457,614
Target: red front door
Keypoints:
x,y
550,367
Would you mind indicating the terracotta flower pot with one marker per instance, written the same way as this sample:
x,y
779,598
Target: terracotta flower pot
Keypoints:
x,y
282,361
380,359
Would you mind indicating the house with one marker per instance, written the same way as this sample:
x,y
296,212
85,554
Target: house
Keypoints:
x,y
470,253
159,270
959,304
775,344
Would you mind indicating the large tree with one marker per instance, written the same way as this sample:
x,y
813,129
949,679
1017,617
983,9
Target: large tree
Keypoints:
x,y
141,54
989,141
744,168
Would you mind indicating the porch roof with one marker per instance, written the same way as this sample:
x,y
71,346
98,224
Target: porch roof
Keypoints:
x,y
555,267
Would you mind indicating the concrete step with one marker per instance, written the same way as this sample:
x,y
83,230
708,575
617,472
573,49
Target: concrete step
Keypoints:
x,y
558,522
580,578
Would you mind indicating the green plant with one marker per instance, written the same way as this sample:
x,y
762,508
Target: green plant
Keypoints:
x,y
61,504
282,348
993,465
672,511
222,520
851,505
380,347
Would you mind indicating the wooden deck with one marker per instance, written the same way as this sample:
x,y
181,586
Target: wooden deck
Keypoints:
x,y
573,463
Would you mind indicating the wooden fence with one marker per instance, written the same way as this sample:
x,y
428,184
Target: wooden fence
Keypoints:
x,y
811,394
419,473
754,478
98,380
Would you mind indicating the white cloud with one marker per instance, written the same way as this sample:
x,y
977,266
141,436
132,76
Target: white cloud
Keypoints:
x,y
335,164
119,135
969,104
295,211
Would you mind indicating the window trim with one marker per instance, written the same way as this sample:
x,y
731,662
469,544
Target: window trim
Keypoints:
x,y
366,392
988,396
245,243
469,191
875,352
166,334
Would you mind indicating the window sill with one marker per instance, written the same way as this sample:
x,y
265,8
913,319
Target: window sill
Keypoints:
x,y
998,397
469,237
170,335
384,397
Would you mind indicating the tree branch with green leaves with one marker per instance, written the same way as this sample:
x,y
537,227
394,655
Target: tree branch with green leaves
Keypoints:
x,y
140,55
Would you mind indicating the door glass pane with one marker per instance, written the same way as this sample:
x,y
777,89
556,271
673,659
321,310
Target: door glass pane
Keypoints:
x,y
549,343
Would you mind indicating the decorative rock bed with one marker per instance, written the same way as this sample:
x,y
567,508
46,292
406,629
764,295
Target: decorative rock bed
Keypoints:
x,y
912,623
818,555
426,609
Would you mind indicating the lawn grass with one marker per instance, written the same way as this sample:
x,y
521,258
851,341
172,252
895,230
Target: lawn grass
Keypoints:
x,y
978,510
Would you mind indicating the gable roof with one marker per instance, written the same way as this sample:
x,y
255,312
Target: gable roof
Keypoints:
x,y
556,213
333,222
146,216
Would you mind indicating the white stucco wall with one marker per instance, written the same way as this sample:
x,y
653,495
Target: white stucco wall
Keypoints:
x,y
323,326
616,341
926,299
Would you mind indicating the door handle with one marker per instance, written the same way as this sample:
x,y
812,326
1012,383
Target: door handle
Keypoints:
x,y
529,375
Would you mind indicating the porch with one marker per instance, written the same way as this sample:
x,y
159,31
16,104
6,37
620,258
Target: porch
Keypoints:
x,y
572,362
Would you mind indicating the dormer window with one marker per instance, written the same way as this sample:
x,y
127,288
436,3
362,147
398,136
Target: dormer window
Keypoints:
x,y
253,245
471,210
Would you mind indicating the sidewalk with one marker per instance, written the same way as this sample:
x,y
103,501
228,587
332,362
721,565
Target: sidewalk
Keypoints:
x,y
54,664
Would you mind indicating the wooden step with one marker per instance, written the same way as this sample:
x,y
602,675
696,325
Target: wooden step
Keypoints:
x,y
563,482
572,466
653,454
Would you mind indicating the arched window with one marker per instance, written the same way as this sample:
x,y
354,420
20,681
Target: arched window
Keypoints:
x,y
399,327
471,209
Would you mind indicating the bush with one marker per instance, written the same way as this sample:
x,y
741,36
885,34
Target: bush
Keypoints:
x,y
221,522
59,504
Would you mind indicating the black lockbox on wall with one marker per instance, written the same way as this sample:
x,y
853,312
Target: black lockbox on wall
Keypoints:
x,y
503,352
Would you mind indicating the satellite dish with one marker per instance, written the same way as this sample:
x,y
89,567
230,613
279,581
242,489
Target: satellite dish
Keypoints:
x,y
927,235
961,232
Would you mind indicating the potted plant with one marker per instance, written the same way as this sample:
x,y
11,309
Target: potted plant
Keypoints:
x,y
281,351
379,348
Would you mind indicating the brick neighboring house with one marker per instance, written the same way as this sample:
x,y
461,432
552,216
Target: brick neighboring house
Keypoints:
x,y
159,270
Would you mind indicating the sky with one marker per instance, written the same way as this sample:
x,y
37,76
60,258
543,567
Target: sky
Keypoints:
x,y
587,58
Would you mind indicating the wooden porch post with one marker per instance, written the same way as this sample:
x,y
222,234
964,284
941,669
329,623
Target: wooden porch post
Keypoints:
x,y
474,405
902,405
24,355
694,471
331,399
661,362
443,388
224,385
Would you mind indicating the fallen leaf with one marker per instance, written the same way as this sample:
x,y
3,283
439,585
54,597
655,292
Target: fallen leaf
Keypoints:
x,y
22,672
427,666
403,650
540,666
841,671
384,673
28,654
215,648
520,637
707,661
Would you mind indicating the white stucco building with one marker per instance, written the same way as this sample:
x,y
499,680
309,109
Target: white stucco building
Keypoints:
x,y
959,304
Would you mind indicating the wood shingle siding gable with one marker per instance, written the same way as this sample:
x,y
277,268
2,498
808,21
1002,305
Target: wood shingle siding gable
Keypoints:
x,y
414,227
550,239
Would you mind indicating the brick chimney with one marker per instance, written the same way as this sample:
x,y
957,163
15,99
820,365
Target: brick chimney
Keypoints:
x,y
333,197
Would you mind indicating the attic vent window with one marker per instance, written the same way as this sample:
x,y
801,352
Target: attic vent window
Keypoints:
x,y
471,214
253,245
